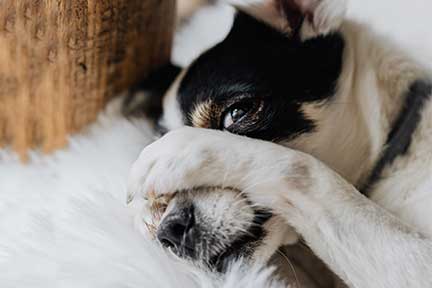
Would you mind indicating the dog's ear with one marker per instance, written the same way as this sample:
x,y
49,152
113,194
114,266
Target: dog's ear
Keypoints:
x,y
298,18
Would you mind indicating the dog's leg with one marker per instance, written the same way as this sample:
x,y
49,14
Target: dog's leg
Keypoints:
x,y
360,241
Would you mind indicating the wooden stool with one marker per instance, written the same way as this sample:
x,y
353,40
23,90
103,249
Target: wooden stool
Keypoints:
x,y
62,60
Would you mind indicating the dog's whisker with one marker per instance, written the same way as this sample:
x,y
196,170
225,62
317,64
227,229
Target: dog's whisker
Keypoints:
x,y
281,253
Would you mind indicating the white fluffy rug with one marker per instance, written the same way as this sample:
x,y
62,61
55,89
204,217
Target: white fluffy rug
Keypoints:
x,y
64,222
63,218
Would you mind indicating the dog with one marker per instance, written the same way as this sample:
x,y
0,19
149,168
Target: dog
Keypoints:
x,y
321,128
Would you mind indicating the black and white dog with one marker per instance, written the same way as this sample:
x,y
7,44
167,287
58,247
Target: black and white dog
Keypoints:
x,y
295,75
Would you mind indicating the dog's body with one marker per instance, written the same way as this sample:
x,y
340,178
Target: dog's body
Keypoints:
x,y
349,99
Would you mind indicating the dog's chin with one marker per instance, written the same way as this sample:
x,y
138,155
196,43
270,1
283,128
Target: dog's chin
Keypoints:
x,y
214,227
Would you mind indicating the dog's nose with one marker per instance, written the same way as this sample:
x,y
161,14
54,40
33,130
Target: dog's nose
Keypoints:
x,y
178,232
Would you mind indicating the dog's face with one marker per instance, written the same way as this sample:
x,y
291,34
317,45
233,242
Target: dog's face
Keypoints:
x,y
262,83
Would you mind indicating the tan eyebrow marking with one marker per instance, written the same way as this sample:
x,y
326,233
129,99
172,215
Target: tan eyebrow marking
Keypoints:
x,y
203,113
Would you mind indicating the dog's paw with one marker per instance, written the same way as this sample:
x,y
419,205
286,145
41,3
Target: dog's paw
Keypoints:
x,y
182,159
189,158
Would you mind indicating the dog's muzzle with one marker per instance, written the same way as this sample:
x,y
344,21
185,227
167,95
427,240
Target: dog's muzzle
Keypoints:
x,y
213,227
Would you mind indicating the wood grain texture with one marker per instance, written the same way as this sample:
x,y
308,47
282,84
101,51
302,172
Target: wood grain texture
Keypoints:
x,y
61,60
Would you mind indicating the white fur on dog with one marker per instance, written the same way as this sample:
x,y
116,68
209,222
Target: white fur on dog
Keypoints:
x,y
63,221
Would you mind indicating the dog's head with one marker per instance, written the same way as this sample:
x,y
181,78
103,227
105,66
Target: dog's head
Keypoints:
x,y
272,78
277,76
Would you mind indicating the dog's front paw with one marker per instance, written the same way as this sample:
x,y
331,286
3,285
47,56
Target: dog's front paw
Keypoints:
x,y
190,158
182,159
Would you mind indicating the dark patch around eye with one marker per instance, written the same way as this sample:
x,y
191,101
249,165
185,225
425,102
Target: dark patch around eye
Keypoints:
x,y
283,73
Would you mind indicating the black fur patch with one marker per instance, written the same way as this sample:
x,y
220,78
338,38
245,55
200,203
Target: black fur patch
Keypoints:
x,y
258,63
400,136
155,86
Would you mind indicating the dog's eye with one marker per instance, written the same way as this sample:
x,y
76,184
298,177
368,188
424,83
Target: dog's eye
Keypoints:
x,y
235,114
